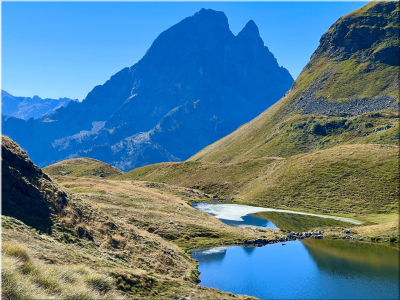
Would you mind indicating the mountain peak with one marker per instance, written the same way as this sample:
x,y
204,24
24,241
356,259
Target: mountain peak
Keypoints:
x,y
250,30
210,18
208,12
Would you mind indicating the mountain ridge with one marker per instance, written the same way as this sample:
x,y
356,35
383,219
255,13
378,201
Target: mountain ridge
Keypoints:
x,y
197,69
30,107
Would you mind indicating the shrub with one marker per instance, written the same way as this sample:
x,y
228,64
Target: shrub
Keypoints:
x,y
100,283
318,129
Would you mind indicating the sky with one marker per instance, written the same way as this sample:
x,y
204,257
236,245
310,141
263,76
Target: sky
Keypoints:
x,y
65,49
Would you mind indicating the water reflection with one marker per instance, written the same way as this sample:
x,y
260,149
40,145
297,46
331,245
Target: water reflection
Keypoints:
x,y
249,250
251,221
299,223
210,255
307,269
351,258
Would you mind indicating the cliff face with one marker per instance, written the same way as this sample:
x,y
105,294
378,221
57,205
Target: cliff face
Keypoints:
x,y
197,83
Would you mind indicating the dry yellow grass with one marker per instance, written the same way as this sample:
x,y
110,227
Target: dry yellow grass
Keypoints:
x,y
91,237
82,167
24,277
160,209
49,262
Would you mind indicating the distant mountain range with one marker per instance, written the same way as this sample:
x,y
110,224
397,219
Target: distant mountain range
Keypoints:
x,y
197,83
30,107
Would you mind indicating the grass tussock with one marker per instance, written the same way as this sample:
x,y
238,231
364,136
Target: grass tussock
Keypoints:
x,y
24,277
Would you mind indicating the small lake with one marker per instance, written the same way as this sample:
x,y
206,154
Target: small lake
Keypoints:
x,y
306,269
256,217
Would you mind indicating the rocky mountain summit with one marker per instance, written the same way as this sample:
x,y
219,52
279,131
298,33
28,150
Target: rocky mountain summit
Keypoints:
x,y
30,107
197,83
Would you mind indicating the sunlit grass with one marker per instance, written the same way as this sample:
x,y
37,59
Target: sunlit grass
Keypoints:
x,y
24,277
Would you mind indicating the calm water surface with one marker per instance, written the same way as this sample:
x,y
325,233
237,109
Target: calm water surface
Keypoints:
x,y
307,269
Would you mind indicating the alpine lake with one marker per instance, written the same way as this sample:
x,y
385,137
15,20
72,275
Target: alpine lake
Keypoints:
x,y
301,269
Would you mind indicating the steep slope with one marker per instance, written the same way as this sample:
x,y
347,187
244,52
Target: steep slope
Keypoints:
x,y
27,193
30,107
82,167
127,242
347,77
197,83
330,144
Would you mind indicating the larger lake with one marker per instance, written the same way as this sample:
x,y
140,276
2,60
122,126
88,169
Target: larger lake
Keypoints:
x,y
307,269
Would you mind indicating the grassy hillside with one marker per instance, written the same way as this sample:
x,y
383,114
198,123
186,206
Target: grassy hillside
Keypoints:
x,y
222,179
82,167
301,134
125,241
343,179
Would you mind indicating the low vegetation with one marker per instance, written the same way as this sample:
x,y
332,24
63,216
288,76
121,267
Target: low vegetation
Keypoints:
x,y
296,134
127,242
82,167
351,179
24,277
162,210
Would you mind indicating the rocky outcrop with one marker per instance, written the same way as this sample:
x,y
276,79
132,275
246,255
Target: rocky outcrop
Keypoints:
x,y
197,83
27,193
355,67
358,35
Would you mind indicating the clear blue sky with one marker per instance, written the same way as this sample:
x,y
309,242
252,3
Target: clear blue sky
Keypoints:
x,y
64,49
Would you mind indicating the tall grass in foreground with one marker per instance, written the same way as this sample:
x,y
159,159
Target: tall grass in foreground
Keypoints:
x,y
26,278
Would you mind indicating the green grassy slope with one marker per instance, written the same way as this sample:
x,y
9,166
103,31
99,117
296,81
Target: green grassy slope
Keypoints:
x,y
222,179
82,167
301,134
356,179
